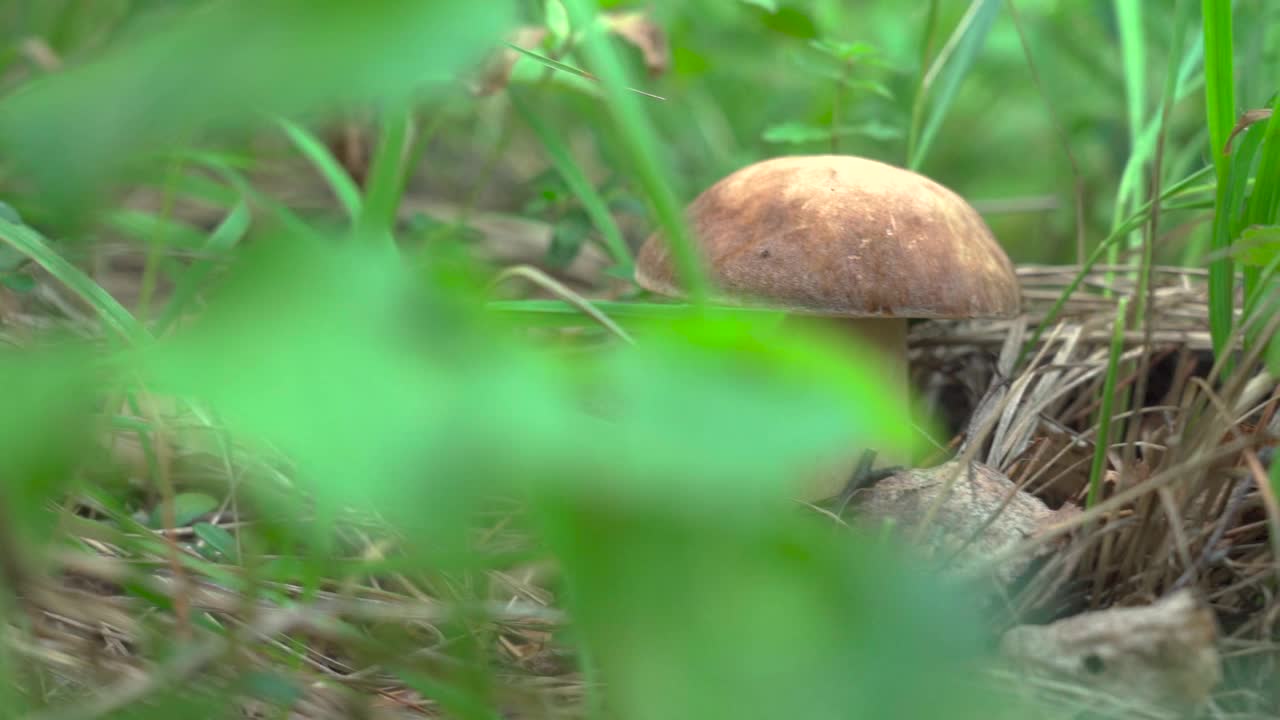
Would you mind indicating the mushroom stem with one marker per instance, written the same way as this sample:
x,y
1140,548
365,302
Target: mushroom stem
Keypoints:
x,y
887,339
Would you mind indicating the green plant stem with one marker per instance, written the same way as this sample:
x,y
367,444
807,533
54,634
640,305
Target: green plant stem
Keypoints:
x,y
1220,109
1133,52
573,175
1103,438
387,175
642,146
1187,185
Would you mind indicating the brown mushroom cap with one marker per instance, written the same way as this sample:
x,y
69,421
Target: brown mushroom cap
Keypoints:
x,y
844,236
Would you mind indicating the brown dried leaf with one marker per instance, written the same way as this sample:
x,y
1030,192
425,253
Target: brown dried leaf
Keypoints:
x,y
497,72
1248,119
639,30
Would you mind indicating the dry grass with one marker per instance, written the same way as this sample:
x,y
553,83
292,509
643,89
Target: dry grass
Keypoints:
x,y
1188,503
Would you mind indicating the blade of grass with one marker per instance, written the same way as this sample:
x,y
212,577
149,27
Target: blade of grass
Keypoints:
x,y
387,175
1132,188
340,182
1144,296
943,80
228,233
1187,184
637,137
276,210
150,227
34,246
550,284
1263,203
928,34
578,183
1220,111
566,68
1103,438
1077,177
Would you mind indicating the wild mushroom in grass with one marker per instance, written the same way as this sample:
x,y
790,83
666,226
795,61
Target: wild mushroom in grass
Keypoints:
x,y
855,243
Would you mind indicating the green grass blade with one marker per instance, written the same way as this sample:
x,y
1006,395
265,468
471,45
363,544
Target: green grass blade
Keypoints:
x,y
1186,185
546,282
949,69
155,229
114,315
578,183
928,35
1263,203
275,210
387,175
1141,143
629,314
571,70
340,182
1134,54
1220,110
1103,439
637,137
224,237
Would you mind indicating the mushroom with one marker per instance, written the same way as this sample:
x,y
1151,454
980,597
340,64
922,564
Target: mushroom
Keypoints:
x,y
853,242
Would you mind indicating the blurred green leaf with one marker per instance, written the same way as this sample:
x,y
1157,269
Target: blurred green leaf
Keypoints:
x,y
8,214
790,20
149,227
45,430
18,282
375,386
735,617
219,544
708,414
187,507
32,245
845,51
271,687
556,20
221,64
340,182
801,133
1258,245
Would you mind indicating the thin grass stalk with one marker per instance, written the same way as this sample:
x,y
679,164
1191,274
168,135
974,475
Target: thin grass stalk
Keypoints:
x,y
387,175
928,33
1145,294
1133,53
1077,177
1136,220
1265,200
1103,439
576,178
641,145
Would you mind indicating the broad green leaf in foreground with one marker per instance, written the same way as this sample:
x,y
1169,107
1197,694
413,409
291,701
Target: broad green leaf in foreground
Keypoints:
x,y
378,387
45,429
778,618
